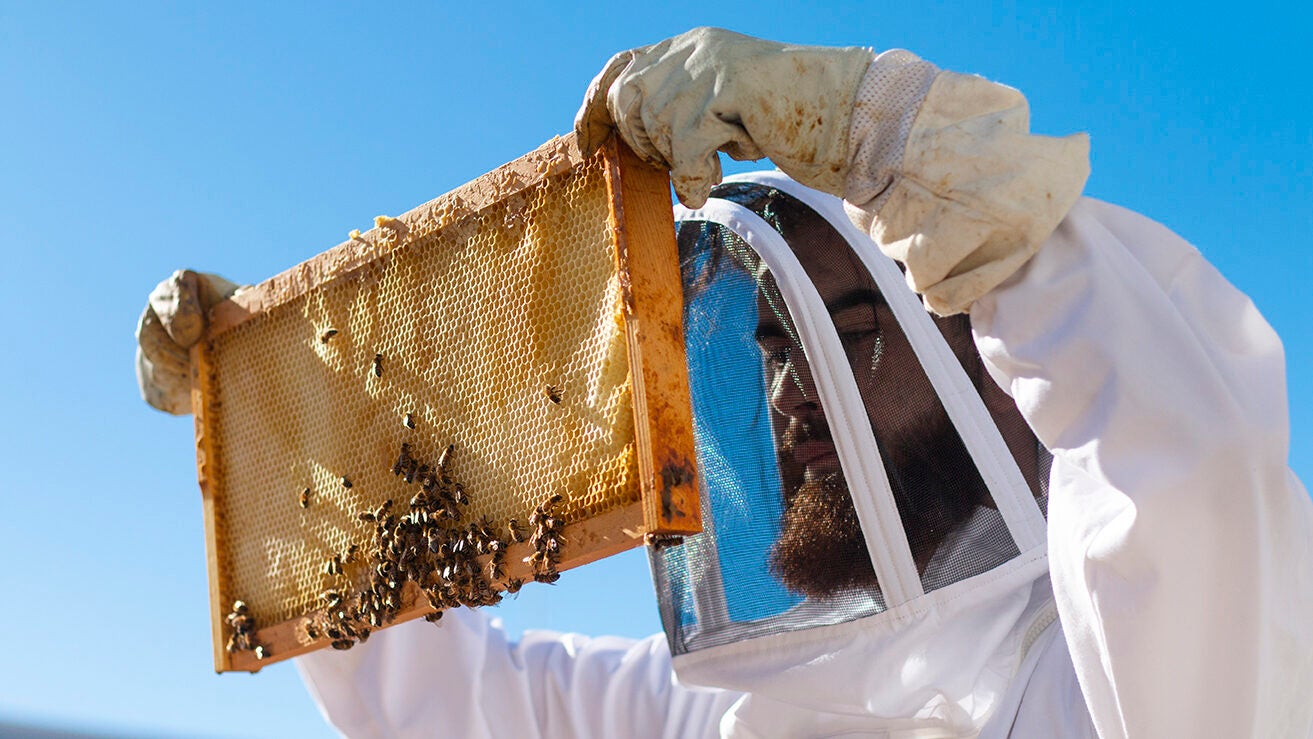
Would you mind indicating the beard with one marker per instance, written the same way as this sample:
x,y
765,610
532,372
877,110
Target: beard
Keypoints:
x,y
821,550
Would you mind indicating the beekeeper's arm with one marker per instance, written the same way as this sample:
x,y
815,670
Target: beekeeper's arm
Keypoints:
x,y
1179,540
465,678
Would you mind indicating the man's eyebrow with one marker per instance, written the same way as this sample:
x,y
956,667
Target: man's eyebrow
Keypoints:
x,y
769,331
848,300
855,298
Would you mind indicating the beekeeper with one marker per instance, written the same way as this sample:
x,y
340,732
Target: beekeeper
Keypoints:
x,y
1058,507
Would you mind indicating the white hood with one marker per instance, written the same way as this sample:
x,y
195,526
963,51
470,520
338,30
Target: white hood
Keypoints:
x,y
934,644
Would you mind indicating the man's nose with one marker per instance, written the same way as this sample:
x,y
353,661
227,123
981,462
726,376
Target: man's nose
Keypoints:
x,y
792,391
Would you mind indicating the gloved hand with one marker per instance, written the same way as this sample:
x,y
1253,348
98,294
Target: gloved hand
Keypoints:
x,y
678,102
174,320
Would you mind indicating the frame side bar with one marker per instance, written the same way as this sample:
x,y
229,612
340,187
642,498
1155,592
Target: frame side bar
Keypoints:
x,y
207,475
646,253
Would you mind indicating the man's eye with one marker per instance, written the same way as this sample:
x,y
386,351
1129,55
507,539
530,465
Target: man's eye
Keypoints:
x,y
777,356
855,336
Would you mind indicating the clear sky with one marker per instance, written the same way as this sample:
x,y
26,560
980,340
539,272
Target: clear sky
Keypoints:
x,y
138,138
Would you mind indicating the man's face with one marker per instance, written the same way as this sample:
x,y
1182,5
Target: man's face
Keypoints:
x,y
821,549
896,395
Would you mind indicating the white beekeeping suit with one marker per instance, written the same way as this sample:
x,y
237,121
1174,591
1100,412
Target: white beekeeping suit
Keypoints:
x,y
1118,549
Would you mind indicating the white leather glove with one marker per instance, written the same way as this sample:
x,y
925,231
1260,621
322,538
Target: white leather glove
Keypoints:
x,y
174,320
678,102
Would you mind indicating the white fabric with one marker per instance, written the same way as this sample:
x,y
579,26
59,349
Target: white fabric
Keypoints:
x,y
464,678
1180,544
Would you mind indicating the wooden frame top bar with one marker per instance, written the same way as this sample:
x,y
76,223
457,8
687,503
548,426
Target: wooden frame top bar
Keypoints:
x,y
557,156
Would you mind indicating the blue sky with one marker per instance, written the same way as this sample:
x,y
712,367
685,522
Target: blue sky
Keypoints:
x,y
140,138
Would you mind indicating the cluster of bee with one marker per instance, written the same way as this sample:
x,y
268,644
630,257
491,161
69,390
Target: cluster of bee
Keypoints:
x,y
339,622
453,561
243,631
546,541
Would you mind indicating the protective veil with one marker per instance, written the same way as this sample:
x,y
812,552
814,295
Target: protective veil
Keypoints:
x,y
871,546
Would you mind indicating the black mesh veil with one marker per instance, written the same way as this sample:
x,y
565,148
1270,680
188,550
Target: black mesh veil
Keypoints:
x,y
784,546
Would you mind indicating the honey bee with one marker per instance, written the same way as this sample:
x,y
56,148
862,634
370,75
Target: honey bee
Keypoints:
x,y
413,469
513,585
310,631
346,482
378,365
305,498
553,394
513,527
445,457
331,597
483,527
459,495
259,652
662,541
326,335
409,420
434,617
343,644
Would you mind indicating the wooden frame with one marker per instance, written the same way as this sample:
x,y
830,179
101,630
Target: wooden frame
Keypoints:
x,y
643,237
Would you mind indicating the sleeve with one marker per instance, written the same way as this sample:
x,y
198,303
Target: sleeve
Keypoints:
x,y
1179,540
465,678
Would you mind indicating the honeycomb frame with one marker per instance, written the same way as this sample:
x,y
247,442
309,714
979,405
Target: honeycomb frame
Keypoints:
x,y
640,228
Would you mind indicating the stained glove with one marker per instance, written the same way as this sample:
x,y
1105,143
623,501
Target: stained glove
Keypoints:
x,y
678,102
948,179
940,168
174,320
